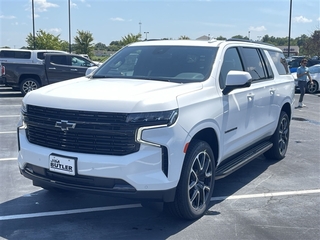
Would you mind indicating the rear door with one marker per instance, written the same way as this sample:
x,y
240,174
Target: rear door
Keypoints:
x,y
247,111
261,94
61,67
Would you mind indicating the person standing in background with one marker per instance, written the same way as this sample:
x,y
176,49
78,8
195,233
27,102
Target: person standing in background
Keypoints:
x,y
302,74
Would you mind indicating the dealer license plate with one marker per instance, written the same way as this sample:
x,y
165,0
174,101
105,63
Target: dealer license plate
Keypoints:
x,y
60,164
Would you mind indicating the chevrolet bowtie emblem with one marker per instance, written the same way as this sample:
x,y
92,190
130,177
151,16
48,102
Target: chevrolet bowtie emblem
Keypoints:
x,y
65,125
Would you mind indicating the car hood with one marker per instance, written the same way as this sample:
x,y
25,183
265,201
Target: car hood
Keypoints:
x,y
110,94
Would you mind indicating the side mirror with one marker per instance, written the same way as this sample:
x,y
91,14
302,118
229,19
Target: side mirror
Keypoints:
x,y
237,79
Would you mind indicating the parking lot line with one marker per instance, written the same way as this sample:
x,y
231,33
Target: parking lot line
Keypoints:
x,y
10,105
98,209
300,192
9,116
8,132
7,159
84,210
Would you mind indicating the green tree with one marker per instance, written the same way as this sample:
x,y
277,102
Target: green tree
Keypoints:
x,y
221,38
100,46
311,46
130,38
44,40
83,43
184,38
240,37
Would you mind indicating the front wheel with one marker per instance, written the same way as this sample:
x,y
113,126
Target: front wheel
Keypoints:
x,y
28,85
312,88
196,183
280,138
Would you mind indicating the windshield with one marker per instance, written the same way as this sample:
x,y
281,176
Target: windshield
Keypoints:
x,y
164,63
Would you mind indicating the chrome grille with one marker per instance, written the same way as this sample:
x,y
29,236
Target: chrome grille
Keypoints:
x,y
95,132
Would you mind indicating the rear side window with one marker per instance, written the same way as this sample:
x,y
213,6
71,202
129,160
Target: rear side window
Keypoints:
x,y
61,60
15,54
40,55
280,62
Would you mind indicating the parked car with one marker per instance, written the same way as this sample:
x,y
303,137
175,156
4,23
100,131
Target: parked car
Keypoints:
x,y
56,67
315,75
295,63
8,55
2,71
160,121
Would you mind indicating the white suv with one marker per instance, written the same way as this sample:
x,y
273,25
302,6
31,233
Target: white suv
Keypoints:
x,y
160,120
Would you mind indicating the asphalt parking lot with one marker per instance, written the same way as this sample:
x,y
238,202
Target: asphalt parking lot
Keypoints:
x,y
264,200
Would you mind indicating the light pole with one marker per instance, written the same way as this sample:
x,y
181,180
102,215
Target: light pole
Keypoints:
x,y
140,29
289,28
146,35
34,34
249,35
69,28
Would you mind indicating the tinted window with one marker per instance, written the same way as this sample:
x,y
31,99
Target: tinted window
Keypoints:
x,y
40,55
79,61
280,62
15,54
62,60
254,63
168,63
231,61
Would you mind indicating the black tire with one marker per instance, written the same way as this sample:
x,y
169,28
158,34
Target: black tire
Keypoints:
x,y
28,85
280,139
196,183
312,88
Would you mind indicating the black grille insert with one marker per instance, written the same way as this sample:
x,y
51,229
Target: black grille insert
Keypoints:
x,y
94,132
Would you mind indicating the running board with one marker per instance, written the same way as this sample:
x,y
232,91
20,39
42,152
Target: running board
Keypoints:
x,y
234,164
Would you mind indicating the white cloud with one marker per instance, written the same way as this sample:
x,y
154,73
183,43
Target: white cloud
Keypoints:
x,y
258,29
73,5
55,30
43,5
318,19
40,5
7,17
301,19
118,19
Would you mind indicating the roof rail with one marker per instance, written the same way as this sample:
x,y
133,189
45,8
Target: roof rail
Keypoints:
x,y
247,40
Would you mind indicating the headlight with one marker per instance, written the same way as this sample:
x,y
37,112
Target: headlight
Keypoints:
x,y
23,108
154,118
23,111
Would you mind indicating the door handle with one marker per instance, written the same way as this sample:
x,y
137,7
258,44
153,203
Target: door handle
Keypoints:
x,y
272,91
52,68
73,69
250,96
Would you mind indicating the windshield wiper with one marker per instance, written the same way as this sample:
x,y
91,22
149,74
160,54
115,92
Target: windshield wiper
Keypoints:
x,y
102,76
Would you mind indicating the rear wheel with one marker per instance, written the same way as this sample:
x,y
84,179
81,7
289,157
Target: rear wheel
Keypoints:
x,y
312,88
28,85
196,183
280,139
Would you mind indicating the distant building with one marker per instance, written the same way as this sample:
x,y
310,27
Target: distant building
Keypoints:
x,y
294,50
204,37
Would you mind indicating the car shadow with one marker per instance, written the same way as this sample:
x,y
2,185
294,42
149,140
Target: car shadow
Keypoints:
x,y
76,215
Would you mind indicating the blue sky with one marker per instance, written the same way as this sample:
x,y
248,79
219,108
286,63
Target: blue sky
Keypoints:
x,y
110,20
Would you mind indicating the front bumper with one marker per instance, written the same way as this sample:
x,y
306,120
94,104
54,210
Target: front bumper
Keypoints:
x,y
146,174
112,187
